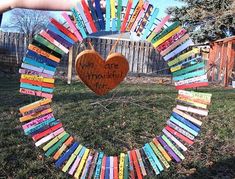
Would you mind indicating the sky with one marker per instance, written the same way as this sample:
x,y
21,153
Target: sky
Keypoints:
x,y
161,4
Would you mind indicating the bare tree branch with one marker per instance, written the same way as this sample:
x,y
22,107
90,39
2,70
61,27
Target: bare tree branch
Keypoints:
x,y
29,22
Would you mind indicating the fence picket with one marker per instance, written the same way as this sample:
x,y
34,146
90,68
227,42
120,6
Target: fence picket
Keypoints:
x,y
141,56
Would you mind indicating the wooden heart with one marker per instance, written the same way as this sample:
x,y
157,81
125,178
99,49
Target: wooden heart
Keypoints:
x,y
101,75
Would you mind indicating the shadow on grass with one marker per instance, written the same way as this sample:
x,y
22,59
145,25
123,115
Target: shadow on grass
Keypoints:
x,y
224,169
80,92
79,96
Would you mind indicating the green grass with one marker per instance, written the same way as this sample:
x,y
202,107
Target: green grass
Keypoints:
x,y
126,118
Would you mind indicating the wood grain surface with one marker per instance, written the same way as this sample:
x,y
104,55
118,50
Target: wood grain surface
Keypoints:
x,y
101,75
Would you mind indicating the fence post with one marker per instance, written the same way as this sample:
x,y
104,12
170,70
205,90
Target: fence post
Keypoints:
x,y
16,48
70,66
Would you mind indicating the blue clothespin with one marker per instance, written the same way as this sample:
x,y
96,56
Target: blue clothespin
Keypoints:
x,y
66,155
100,14
107,168
185,121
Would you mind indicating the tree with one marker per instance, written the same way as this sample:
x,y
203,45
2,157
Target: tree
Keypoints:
x,y
206,20
29,22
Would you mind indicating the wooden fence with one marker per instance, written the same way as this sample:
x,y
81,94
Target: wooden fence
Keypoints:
x,y
222,61
143,59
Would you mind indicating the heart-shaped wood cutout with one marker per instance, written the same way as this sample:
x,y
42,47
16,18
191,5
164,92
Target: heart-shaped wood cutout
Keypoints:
x,y
100,75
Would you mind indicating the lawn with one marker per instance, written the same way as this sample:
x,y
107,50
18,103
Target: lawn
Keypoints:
x,y
126,118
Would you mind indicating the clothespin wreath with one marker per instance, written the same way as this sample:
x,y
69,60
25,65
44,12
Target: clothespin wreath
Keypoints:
x,y
172,42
